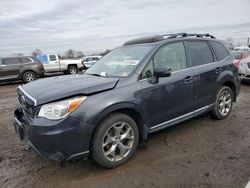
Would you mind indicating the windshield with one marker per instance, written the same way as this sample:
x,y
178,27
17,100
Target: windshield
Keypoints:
x,y
120,62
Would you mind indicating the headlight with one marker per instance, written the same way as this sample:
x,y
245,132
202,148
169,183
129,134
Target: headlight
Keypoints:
x,y
58,110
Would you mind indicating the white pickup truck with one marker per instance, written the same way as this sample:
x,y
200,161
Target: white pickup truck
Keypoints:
x,y
52,63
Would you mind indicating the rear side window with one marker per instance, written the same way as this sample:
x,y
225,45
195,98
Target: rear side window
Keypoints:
x,y
11,61
200,53
219,50
26,60
52,58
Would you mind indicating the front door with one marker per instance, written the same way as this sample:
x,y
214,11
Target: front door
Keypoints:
x,y
53,64
172,97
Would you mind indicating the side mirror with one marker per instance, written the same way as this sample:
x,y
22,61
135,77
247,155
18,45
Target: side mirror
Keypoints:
x,y
162,72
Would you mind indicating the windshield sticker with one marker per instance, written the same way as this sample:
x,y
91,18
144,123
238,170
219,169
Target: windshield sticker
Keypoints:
x,y
131,62
103,74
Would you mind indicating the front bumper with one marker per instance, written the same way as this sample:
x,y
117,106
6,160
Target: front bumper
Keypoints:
x,y
60,140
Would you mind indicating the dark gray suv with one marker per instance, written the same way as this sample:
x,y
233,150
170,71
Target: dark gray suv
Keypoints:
x,y
144,86
20,68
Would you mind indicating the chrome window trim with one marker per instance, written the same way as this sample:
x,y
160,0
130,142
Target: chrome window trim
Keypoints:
x,y
26,94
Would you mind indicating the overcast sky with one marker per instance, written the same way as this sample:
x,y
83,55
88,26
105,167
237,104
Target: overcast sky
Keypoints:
x,y
93,25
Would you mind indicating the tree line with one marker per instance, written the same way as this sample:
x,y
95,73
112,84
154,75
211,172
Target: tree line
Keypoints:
x,y
70,53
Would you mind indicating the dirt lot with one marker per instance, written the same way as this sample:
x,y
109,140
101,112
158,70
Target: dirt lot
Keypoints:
x,y
198,153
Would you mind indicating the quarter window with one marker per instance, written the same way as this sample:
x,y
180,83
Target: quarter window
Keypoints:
x,y
26,60
219,50
200,53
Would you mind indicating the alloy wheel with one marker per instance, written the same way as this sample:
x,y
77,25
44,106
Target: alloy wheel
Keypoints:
x,y
29,76
118,141
225,103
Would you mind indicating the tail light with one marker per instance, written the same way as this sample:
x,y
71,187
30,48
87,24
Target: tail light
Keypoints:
x,y
82,62
243,55
236,62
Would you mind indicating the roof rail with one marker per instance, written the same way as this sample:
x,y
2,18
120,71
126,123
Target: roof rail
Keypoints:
x,y
157,38
181,35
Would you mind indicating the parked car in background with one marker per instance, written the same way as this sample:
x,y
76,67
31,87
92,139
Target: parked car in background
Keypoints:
x,y
88,61
242,48
52,63
144,86
239,55
244,68
24,68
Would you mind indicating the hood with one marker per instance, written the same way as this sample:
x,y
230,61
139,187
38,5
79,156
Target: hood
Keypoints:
x,y
54,88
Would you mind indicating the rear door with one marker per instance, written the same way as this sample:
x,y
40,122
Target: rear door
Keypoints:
x,y
203,63
10,68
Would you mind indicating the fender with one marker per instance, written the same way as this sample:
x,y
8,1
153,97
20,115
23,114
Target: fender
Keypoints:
x,y
143,129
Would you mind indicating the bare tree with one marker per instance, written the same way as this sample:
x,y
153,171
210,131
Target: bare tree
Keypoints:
x,y
105,52
70,53
78,54
230,42
36,52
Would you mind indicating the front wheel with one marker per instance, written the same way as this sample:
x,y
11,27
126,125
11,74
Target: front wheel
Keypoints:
x,y
29,76
223,103
115,140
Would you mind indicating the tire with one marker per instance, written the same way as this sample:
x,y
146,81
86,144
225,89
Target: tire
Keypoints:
x,y
29,76
223,103
118,133
72,69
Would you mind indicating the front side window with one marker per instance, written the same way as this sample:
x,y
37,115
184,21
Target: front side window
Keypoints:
x,y
200,53
171,55
120,62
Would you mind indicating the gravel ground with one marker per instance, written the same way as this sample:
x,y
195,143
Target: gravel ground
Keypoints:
x,y
198,153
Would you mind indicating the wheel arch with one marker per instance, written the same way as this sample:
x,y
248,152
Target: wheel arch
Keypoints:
x,y
232,86
129,109
27,70
74,64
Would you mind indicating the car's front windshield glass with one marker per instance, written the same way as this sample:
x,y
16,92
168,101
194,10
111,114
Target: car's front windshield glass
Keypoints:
x,y
120,62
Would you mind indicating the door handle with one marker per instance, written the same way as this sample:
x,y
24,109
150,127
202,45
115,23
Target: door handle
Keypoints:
x,y
188,79
218,70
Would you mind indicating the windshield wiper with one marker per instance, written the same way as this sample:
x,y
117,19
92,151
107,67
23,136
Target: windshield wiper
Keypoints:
x,y
98,75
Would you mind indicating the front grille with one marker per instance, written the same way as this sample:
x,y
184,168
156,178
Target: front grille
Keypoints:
x,y
26,104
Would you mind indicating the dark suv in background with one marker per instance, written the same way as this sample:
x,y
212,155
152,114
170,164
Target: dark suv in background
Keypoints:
x,y
146,85
20,68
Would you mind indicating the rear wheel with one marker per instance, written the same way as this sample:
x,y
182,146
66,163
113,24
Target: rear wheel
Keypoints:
x,y
115,140
72,69
29,76
223,104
